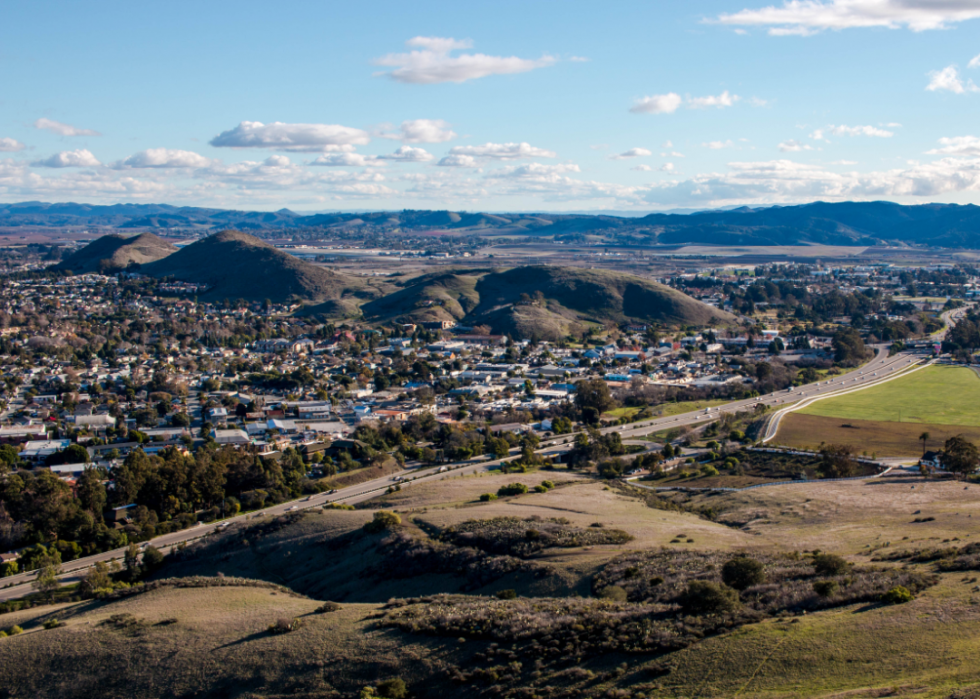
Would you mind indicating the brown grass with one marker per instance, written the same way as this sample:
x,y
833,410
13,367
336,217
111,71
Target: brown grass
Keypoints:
x,y
881,438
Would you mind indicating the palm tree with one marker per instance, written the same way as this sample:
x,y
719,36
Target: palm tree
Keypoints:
x,y
924,437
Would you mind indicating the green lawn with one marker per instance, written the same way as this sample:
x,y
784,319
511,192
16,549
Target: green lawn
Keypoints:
x,y
667,409
937,395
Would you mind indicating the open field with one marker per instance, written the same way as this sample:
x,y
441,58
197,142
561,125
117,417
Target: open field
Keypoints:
x,y
866,436
667,409
936,395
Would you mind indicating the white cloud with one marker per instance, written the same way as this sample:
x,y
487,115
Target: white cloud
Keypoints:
x,y
722,100
503,151
162,158
805,17
667,167
817,135
69,158
347,160
455,160
407,154
860,131
423,131
632,153
657,104
672,154
793,146
303,138
63,129
948,79
974,62
958,145
718,145
843,162
11,145
432,63
534,171
641,168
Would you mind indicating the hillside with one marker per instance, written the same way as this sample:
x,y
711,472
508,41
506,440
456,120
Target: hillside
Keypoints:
x,y
541,301
842,223
115,252
235,265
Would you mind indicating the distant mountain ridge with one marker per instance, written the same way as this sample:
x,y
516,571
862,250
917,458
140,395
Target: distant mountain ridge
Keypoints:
x,y
845,223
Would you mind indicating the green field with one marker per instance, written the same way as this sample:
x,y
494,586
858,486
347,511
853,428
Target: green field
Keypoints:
x,y
668,409
936,395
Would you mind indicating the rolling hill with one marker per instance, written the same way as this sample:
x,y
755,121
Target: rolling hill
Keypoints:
x,y
115,252
541,301
236,265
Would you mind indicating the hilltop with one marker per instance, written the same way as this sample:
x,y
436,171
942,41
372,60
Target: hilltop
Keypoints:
x,y
236,265
541,301
112,253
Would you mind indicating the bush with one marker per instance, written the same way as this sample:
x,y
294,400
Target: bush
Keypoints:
x,y
53,624
709,470
487,497
512,489
328,607
285,626
897,595
830,564
338,506
548,484
613,593
743,572
825,588
702,598
392,689
383,521
540,489
507,594
14,630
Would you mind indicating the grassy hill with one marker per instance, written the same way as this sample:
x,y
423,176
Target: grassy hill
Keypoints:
x,y
115,252
237,265
541,301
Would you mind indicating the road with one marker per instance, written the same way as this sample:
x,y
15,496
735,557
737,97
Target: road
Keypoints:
x,y
879,369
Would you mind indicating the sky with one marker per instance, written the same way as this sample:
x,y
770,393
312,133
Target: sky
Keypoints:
x,y
535,105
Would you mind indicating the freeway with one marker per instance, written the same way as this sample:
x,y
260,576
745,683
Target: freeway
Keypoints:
x,y
881,368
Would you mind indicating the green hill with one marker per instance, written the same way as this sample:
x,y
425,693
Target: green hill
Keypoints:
x,y
541,301
112,253
236,265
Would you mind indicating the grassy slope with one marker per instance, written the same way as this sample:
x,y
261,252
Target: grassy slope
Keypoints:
x,y
119,251
939,395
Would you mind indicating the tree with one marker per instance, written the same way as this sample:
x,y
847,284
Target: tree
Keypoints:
x,y
830,564
593,393
836,461
960,456
743,572
702,597
924,437
91,492
46,581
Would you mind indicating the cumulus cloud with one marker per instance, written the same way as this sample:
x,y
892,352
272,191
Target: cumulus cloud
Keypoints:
x,y
431,62
667,167
718,145
423,131
793,146
63,129
303,138
974,62
860,131
69,158
503,151
456,160
641,168
723,100
534,171
11,145
948,80
806,17
632,153
958,145
407,154
162,158
347,160
672,154
657,104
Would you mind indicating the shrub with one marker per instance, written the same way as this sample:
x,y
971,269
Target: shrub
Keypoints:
x,y
487,497
702,597
830,564
392,689
743,572
338,506
52,624
709,470
328,607
548,484
383,521
825,588
285,626
613,593
3,634
512,489
507,594
897,595
14,630
540,489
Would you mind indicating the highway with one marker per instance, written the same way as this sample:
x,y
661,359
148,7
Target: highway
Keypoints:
x,y
878,369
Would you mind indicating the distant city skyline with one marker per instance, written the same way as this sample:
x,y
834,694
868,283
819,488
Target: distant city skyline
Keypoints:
x,y
544,106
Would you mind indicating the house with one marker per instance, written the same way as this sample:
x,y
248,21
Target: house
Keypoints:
x,y
230,437
118,515
932,460
40,450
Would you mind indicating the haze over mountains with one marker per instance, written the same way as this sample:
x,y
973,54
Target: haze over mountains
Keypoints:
x,y
846,223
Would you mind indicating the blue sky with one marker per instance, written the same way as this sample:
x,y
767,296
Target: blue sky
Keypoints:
x,y
520,106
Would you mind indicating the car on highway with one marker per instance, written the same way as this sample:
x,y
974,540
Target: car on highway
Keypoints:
x,y
294,507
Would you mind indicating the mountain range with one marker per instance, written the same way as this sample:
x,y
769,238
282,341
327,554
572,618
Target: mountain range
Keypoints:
x,y
845,223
